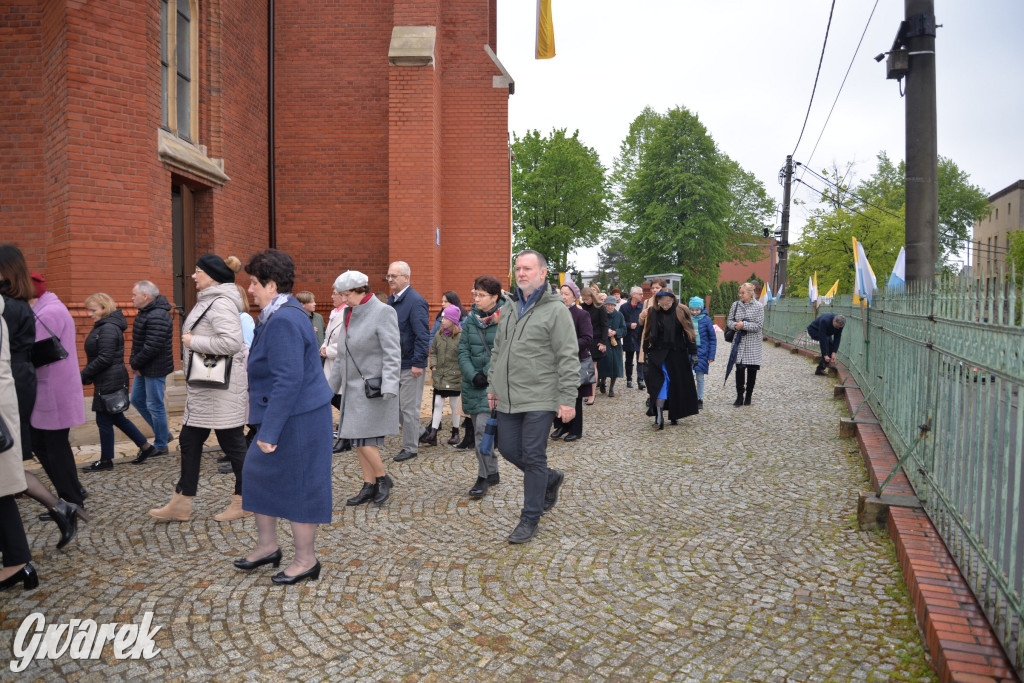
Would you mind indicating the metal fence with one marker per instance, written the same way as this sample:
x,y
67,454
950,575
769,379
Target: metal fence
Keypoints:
x,y
942,369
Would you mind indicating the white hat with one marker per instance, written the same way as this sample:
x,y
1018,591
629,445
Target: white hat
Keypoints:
x,y
350,279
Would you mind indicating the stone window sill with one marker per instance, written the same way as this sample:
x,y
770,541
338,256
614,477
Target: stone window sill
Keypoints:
x,y
190,158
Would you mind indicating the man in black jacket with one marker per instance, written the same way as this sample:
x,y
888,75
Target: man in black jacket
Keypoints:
x,y
631,344
151,360
827,330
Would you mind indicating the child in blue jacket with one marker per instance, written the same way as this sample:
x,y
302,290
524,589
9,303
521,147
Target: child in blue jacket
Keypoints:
x,y
706,346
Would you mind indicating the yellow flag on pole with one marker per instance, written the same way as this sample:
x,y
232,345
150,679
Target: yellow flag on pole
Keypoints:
x,y
834,290
545,31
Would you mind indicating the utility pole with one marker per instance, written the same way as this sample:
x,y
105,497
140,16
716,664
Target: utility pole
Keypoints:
x,y
913,56
783,244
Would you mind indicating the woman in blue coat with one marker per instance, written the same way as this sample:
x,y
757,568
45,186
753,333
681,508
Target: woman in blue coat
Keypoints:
x,y
287,470
707,344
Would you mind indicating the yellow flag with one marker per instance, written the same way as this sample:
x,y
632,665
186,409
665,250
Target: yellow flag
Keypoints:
x,y
834,290
856,276
561,279
545,31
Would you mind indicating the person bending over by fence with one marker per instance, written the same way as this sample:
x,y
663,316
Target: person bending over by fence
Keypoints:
x,y
827,330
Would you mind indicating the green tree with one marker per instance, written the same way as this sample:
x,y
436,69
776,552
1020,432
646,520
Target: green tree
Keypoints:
x,y
1015,257
560,196
874,212
685,207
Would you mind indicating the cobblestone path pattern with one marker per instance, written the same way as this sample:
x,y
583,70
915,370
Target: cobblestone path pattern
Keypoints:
x,y
724,548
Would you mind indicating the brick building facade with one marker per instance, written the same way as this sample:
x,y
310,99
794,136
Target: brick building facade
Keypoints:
x,y
136,135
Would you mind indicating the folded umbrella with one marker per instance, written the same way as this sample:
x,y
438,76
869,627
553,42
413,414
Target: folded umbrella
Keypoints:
x,y
490,430
732,355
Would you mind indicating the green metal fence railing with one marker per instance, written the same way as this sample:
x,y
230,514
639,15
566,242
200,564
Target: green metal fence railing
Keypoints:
x,y
942,369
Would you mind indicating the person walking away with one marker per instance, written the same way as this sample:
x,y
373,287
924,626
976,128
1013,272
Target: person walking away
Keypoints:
x,y
151,360
447,377
827,330
746,315
706,347
533,379
414,327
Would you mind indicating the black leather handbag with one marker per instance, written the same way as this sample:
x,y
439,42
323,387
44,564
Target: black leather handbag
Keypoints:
x,y
49,350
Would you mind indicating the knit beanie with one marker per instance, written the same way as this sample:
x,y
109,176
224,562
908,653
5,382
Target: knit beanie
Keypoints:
x,y
214,266
697,302
452,313
572,286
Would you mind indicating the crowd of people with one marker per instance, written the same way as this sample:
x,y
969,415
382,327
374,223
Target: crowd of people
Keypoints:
x,y
527,361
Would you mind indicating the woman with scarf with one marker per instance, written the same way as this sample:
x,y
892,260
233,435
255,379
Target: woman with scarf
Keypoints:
x,y
475,346
573,430
670,347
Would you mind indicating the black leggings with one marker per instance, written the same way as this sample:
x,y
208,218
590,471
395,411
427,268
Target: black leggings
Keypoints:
x,y
191,440
575,425
749,373
53,450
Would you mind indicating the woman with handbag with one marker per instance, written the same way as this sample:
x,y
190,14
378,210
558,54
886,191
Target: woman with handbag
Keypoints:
x,y
475,346
216,392
288,465
599,326
366,375
104,367
573,430
746,316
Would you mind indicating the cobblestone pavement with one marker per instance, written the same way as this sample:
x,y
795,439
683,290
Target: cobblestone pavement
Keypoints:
x,y
724,548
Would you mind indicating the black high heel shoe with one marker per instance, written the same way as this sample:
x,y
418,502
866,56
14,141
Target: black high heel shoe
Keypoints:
x,y
283,579
27,575
273,558
65,515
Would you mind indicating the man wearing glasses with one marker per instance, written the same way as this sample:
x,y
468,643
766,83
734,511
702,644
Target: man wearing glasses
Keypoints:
x,y
414,328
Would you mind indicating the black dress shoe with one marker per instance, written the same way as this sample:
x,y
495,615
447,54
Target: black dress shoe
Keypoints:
x,y
26,575
573,437
144,454
365,495
99,466
641,386
523,533
551,495
283,579
479,489
384,486
559,432
600,386
629,384
611,393
273,558
66,516
820,371
404,455
342,445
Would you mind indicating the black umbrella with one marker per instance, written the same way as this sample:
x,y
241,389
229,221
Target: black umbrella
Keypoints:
x,y
732,355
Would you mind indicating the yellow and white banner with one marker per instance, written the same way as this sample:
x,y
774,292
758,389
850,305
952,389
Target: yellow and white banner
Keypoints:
x,y
545,44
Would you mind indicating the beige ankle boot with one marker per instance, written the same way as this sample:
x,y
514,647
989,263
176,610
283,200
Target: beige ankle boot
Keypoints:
x,y
234,511
179,509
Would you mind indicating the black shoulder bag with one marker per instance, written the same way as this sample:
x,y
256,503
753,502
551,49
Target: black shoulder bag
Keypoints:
x,y
49,350
730,334
371,385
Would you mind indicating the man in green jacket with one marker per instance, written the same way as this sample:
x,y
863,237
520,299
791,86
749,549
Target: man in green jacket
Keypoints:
x,y
532,380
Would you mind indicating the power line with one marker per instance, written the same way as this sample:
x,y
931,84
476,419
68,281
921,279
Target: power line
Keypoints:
x,y
848,68
845,191
837,201
815,87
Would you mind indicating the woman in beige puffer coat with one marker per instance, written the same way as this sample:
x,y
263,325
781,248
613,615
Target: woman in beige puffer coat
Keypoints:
x,y
212,327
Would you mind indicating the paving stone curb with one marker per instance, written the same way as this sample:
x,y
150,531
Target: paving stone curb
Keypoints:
x,y
961,642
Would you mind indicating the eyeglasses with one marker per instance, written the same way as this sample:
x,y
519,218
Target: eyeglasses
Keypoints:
x,y
389,276
481,295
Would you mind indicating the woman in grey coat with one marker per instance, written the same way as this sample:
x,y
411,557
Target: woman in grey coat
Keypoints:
x,y
368,347
212,327
746,316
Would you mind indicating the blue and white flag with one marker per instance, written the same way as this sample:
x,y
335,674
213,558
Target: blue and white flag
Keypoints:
x,y
781,287
899,271
812,289
865,285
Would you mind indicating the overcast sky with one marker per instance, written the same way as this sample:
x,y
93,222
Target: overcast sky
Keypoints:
x,y
746,68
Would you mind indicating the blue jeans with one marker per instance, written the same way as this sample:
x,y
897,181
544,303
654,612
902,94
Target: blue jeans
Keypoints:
x,y
148,398
106,423
523,441
699,376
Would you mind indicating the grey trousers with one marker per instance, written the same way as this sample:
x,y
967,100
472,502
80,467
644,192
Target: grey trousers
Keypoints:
x,y
486,465
410,401
523,441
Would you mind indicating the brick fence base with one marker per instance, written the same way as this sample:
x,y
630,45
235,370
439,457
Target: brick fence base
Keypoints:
x,y
958,635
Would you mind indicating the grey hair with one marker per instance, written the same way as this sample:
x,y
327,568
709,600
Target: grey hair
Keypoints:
x,y
148,288
749,285
839,321
404,267
541,261
634,290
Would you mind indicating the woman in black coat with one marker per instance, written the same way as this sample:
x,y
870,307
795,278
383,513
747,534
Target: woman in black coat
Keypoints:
x,y
599,327
670,347
584,335
104,353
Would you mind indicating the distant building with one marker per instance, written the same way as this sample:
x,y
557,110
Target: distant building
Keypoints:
x,y
991,235
739,271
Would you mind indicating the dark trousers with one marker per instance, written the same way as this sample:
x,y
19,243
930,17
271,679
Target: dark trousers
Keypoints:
x,y
746,375
523,441
52,448
13,543
191,440
575,426
632,353
105,423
